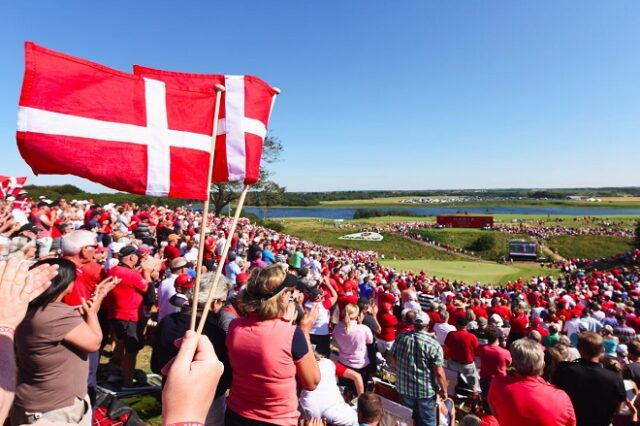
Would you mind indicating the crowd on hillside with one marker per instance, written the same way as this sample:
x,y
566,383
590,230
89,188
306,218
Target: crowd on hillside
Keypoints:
x,y
297,332
538,231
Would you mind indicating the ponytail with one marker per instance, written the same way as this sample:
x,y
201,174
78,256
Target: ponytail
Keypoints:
x,y
351,312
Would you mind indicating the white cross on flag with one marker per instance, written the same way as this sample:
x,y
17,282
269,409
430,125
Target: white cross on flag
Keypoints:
x,y
126,132
10,185
243,119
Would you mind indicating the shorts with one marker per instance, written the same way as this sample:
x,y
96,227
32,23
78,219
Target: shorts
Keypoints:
x,y
78,413
130,333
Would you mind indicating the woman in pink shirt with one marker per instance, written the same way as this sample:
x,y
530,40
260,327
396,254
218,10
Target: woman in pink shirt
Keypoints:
x,y
268,353
352,338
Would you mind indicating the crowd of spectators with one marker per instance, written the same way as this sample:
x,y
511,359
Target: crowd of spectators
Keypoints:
x,y
295,327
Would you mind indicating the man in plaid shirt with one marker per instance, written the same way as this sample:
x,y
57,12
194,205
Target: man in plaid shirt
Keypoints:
x,y
419,362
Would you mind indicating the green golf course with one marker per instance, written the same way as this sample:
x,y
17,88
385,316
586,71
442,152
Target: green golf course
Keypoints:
x,y
470,271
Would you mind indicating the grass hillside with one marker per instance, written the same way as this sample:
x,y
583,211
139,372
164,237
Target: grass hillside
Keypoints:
x,y
392,246
489,245
589,246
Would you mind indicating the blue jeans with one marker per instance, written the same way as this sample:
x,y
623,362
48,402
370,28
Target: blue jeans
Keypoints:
x,y
424,410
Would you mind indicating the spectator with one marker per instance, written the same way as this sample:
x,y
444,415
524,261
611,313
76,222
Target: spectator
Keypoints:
x,y
17,288
596,393
370,409
494,360
124,306
352,338
326,401
523,397
631,371
461,347
167,289
266,299
419,361
53,341
174,326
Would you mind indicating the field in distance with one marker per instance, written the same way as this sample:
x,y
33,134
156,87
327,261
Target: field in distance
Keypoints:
x,y
379,202
470,272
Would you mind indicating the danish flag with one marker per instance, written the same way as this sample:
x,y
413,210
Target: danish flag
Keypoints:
x,y
129,133
10,185
243,119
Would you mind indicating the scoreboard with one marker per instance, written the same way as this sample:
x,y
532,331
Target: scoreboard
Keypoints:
x,y
523,249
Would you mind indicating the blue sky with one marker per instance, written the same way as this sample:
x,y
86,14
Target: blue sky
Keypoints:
x,y
417,94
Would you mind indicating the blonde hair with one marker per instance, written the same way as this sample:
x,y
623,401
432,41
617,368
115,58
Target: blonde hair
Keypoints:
x,y
264,281
351,313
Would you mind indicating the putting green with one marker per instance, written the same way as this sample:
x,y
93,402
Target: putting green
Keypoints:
x,y
468,271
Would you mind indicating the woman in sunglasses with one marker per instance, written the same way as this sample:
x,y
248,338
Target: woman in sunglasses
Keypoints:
x,y
268,353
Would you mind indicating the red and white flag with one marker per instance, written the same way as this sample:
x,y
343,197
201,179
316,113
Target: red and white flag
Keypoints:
x,y
124,131
243,119
10,185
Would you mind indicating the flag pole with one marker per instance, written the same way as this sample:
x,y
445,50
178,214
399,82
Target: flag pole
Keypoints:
x,y
227,244
223,257
205,209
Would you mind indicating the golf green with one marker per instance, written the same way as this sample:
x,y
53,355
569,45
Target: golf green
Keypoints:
x,y
469,271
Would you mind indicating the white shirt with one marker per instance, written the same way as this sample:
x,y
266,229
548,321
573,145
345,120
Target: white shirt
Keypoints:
x,y
165,291
326,395
442,329
412,305
321,326
572,326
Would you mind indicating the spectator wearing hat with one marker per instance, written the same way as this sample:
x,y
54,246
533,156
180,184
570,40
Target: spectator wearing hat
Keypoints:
x,y
175,325
596,393
461,347
267,303
183,283
536,325
167,289
171,251
123,306
524,398
419,362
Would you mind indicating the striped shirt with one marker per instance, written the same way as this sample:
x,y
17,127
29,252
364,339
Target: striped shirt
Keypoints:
x,y
416,353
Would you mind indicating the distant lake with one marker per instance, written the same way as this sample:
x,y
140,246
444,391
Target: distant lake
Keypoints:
x,y
347,213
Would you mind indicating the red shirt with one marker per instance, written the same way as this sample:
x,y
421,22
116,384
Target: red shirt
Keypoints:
x,y
388,323
79,291
93,274
518,325
170,253
518,400
461,346
124,302
494,361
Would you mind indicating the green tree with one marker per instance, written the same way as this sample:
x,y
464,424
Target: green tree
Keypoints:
x,y
222,194
484,242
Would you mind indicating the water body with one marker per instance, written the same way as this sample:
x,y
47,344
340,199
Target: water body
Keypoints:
x,y
347,213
